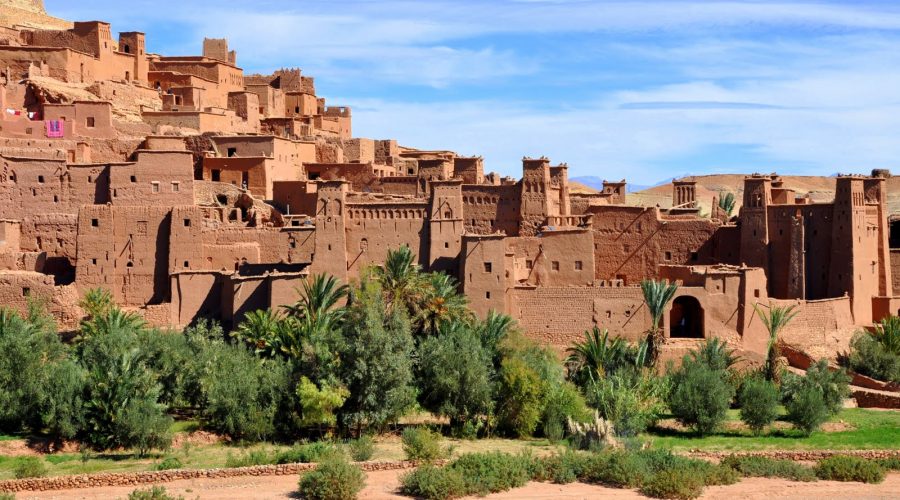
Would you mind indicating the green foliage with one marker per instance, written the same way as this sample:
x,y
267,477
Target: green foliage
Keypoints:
x,y
241,393
249,458
679,483
168,464
562,468
97,302
486,473
121,406
775,319
441,304
521,391
887,333
619,469
563,401
811,400
154,493
755,466
848,468
599,356
376,360
317,405
455,373
264,331
307,453
333,479
401,279
715,354
362,448
420,443
758,399
29,467
632,401
869,357
727,202
432,483
25,350
657,295
699,396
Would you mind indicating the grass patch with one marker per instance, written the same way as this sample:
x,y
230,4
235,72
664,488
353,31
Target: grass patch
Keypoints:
x,y
846,468
868,429
750,466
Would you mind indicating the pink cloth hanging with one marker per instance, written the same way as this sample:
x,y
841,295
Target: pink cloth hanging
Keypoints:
x,y
55,128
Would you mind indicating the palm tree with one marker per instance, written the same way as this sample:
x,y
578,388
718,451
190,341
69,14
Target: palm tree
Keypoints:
x,y
657,295
494,329
887,333
113,320
727,202
441,303
318,300
715,354
774,320
598,356
96,302
262,329
400,279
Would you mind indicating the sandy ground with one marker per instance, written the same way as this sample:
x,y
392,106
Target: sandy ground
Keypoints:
x,y
383,486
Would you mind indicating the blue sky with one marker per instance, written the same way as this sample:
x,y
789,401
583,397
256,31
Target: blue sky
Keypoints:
x,y
645,90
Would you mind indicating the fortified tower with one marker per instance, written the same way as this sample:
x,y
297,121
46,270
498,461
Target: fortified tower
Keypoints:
x,y
754,221
446,225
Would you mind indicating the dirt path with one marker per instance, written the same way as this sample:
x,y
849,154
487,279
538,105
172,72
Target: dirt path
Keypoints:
x,y
383,486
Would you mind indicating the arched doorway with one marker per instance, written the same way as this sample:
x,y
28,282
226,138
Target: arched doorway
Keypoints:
x,y
686,318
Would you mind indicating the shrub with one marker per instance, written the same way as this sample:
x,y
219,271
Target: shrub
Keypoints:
x,y
847,468
890,463
521,393
632,401
433,483
306,453
333,479
564,401
751,466
869,357
679,483
168,464
154,493
619,469
758,399
560,469
700,396
29,467
806,409
361,449
658,460
492,472
7,496
248,459
420,443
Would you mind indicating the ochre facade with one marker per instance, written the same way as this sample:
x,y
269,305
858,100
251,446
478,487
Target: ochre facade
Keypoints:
x,y
191,190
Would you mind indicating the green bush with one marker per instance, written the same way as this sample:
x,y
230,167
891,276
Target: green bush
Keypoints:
x,y
631,400
361,449
420,443
890,463
492,472
432,483
869,357
806,409
618,469
154,493
758,399
848,468
333,479
7,496
168,464
752,466
563,468
680,483
658,460
306,453
249,458
29,467
700,396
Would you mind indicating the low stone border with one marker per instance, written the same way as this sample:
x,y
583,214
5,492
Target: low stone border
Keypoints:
x,y
795,455
149,477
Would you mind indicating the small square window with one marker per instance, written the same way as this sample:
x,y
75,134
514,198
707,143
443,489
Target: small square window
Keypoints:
x,y
187,264
578,265
95,222
187,222
41,179
446,244
90,122
529,264
155,187
695,256
94,261
487,295
756,293
133,178
488,267
668,255
555,265
176,187
216,175
232,152
26,292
